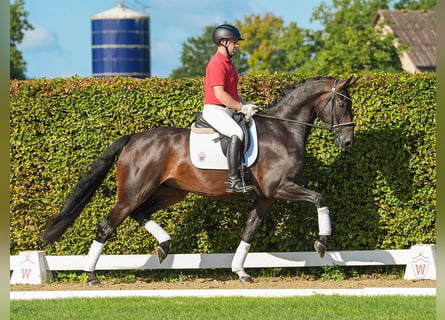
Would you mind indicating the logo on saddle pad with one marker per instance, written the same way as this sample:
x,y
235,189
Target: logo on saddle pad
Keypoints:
x,y
206,152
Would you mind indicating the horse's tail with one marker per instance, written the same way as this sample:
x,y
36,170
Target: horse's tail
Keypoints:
x,y
83,191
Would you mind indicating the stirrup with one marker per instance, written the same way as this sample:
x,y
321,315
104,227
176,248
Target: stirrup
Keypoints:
x,y
234,186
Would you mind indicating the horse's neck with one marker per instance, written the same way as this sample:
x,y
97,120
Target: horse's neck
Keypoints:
x,y
294,108
302,112
298,107
298,104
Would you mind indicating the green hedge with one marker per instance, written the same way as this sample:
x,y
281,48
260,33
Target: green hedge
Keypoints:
x,y
381,193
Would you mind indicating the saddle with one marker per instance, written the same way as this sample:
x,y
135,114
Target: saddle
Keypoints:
x,y
202,126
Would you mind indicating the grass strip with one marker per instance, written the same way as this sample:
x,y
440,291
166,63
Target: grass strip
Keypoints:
x,y
311,307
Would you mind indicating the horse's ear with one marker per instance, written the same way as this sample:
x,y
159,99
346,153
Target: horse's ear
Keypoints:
x,y
349,82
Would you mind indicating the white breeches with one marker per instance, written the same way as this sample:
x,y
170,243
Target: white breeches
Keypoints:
x,y
221,119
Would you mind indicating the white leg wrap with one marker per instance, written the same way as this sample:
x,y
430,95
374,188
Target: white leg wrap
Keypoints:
x,y
156,230
240,256
324,221
93,255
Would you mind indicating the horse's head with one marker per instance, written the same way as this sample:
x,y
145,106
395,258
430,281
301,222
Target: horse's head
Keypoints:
x,y
334,108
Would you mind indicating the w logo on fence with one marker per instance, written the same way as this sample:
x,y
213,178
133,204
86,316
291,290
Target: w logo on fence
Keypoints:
x,y
422,264
26,273
31,268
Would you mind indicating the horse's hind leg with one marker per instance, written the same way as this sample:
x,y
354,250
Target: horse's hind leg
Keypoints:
x,y
106,228
162,198
256,216
142,216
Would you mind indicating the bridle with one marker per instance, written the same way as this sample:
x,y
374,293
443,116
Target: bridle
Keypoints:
x,y
333,127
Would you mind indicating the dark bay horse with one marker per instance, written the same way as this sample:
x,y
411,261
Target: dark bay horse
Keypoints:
x,y
154,170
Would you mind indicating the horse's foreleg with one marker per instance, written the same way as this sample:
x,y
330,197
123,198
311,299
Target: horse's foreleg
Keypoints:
x,y
324,230
256,216
294,192
238,261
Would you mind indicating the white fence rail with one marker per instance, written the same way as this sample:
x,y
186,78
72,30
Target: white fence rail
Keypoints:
x,y
420,261
224,260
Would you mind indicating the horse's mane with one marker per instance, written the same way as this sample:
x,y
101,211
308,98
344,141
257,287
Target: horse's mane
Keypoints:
x,y
300,85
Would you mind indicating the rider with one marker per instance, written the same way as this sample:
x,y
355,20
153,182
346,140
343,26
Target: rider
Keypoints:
x,y
221,99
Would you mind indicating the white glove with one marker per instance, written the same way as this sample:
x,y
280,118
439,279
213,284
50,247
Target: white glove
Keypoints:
x,y
249,110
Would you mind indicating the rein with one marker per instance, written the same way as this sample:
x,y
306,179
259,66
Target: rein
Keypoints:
x,y
290,120
333,127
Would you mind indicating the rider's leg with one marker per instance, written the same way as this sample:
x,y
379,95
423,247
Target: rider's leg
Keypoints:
x,y
221,119
234,182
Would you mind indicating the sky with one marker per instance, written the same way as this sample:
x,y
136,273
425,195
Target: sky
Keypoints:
x,y
60,44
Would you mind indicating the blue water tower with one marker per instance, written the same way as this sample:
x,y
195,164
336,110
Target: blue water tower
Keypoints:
x,y
121,43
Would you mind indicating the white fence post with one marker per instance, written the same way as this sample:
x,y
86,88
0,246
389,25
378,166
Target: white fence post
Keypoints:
x,y
422,263
31,268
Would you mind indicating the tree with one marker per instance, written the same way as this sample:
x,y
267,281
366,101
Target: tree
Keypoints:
x,y
271,46
350,42
295,48
18,24
197,51
260,34
415,5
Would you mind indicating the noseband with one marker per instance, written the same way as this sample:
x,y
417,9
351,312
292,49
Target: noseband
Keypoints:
x,y
333,127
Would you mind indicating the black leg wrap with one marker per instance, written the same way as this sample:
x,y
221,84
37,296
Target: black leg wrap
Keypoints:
x,y
162,250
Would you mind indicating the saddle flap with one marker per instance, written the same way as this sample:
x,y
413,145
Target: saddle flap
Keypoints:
x,y
206,151
201,126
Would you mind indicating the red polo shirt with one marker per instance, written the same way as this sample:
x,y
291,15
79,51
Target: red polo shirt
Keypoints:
x,y
220,72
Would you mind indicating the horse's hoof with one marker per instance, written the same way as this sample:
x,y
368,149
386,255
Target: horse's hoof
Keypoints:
x,y
243,276
92,279
162,250
320,248
161,254
94,282
246,279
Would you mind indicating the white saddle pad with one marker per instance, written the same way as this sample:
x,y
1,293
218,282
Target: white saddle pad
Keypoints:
x,y
207,154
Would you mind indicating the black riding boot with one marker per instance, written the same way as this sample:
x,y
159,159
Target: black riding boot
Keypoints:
x,y
234,182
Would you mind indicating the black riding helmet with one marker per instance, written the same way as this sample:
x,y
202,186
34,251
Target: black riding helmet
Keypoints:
x,y
225,31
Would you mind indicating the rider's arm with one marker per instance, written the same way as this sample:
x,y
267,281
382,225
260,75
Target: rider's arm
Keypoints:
x,y
226,98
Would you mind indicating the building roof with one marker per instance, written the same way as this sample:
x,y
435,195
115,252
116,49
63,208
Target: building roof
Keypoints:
x,y
417,29
119,12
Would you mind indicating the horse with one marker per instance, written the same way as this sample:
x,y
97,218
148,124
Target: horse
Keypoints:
x,y
154,171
